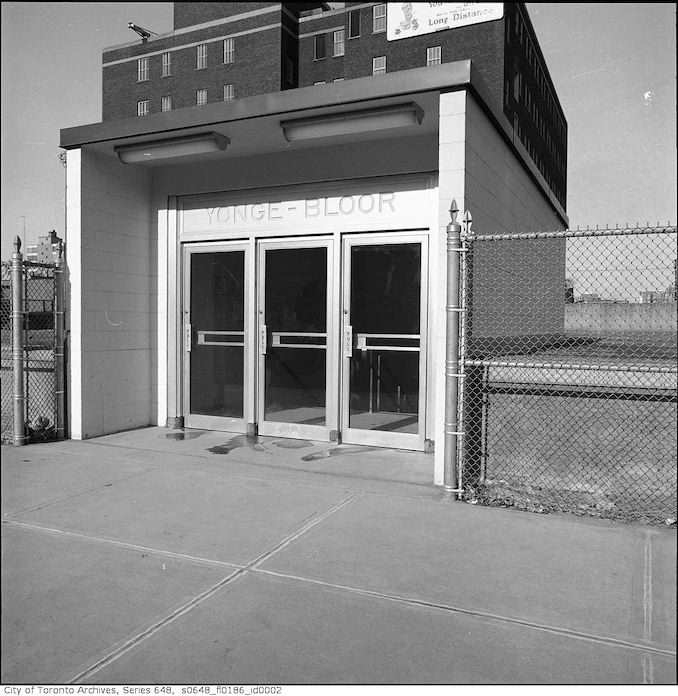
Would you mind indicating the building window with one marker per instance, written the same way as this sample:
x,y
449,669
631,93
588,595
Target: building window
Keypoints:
x,y
166,104
229,94
289,70
433,55
379,18
142,107
379,65
166,64
142,70
339,41
353,24
229,50
201,57
201,97
319,50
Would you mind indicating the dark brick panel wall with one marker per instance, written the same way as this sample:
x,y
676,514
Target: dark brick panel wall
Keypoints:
x,y
141,49
482,43
551,161
187,14
256,70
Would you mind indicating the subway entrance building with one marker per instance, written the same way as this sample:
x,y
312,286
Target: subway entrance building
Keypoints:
x,y
276,264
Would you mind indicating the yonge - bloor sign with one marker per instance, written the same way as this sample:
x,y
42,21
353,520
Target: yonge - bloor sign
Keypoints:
x,y
316,209
269,211
405,19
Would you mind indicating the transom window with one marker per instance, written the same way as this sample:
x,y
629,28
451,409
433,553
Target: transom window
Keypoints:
x,y
379,65
433,55
166,64
229,93
142,70
166,104
142,107
201,97
201,56
339,42
379,18
229,50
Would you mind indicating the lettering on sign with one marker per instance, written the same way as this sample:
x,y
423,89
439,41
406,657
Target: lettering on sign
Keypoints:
x,y
383,202
405,19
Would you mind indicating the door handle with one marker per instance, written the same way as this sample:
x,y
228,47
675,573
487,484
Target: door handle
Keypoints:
x,y
188,337
262,339
348,341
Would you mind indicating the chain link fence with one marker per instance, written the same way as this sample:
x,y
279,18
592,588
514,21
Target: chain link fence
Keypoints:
x,y
32,347
569,359
7,404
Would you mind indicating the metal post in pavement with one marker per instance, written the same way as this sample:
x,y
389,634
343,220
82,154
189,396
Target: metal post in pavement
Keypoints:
x,y
452,311
18,346
59,347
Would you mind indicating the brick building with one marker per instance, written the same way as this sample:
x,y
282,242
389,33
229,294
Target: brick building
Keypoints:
x,y
221,51
218,51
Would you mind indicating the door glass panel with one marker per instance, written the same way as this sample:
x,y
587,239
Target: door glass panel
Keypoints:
x,y
218,333
385,316
296,337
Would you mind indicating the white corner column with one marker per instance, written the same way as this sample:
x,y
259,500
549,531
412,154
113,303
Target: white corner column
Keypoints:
x,y
451,184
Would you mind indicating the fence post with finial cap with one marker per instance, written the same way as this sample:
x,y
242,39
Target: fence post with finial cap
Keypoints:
x,y
19,436
452,313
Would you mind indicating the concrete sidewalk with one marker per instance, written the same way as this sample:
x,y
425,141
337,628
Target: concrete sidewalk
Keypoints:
x,y
157,556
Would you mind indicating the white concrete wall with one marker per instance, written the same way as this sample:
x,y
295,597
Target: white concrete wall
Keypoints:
x,y
112,299
605,317
518,287
451,185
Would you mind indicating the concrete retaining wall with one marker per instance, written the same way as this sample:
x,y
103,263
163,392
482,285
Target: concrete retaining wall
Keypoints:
x,y
597,317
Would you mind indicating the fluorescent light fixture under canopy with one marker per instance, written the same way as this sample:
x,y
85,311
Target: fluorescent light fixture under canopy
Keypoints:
x,y
151,151
352,122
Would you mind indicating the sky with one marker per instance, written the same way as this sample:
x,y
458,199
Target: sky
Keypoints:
x,y
613,66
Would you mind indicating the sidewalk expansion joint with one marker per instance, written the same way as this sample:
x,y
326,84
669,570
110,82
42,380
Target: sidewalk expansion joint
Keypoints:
x,y
648,667
154,628
125,545
252,565
147,633
99,487
447,608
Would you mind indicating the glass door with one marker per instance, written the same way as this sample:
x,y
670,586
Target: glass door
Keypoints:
x,y
294,313
215,339
384,330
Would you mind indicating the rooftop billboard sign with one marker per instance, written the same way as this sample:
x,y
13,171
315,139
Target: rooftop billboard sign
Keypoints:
x,y
406,19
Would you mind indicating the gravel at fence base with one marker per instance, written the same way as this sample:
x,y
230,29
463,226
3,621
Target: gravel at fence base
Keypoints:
x,y
581,453
628,507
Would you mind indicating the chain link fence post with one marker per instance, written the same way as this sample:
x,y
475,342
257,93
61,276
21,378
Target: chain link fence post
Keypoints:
x,y
452,312
465,237
59,345
18,314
